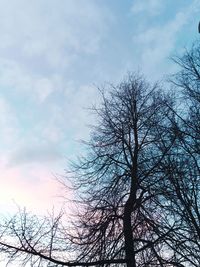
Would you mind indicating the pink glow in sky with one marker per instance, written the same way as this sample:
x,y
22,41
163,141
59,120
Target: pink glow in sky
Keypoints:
x,y
19,189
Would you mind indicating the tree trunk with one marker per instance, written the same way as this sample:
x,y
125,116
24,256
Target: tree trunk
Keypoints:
x,y
129,206
128,231
128,235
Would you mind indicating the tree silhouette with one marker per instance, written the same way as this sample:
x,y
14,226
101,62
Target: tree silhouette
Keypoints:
x,y
120,178
182,167
137,188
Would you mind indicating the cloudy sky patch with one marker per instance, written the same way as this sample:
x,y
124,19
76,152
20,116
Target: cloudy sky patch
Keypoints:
x,y
53,55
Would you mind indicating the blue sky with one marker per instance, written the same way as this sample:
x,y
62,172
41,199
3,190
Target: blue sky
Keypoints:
x,y
53,54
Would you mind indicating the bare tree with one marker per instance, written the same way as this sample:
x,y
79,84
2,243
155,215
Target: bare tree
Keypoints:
x,y
182,167
119,179
124,217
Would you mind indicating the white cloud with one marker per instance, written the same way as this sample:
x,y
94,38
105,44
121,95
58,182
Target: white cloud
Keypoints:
x,y
46,30
43,88
15,77
42,39
8,124
39,154
156,44
150,7
159,37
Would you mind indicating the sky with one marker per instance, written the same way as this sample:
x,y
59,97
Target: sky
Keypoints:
x,y
53,56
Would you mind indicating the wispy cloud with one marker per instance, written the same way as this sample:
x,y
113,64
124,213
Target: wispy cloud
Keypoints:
x,y
32,153
9,124
156,43
149,7
42,45
51,53
42,28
